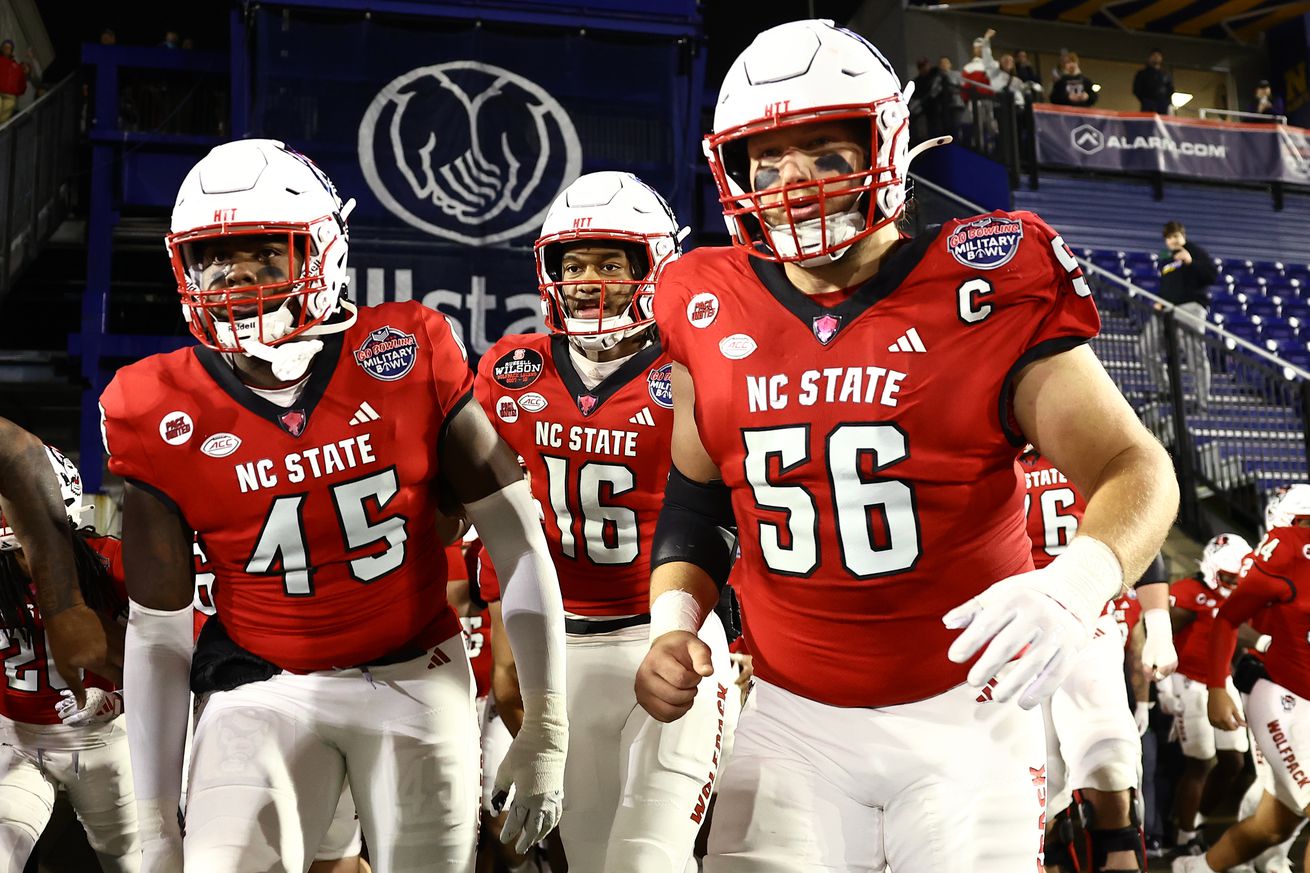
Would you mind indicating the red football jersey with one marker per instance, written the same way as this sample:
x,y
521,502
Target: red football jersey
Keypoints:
x,y
488,582
1274,575
1053,506
319,520
598,460
31,684
477,641
204,597
1193,641
1127,611
870,447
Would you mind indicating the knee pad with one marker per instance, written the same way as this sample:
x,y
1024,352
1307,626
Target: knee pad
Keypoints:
x,y
1127,839
1060,849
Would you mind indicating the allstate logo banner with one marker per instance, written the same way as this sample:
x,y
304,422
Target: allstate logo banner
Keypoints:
x,y
467,151
1138,142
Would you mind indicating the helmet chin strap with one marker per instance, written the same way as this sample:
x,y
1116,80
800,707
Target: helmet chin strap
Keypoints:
x,y
290,360
813,232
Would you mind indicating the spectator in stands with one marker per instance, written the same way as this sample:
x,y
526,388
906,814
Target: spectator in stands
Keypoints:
x,y
1265,101
951,104
925,111
1027,74
1006,81
979,68
1186,274
13,80
172,40
1058,70
108,36
1073,88
1153,86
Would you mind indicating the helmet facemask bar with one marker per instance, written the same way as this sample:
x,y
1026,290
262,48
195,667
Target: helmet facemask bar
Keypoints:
x,y
825,237
269,312
606,329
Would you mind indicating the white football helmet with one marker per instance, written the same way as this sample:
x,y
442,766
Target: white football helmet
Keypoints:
x,y
606,207
1223,554
1287,504
802,73
260,187
70,488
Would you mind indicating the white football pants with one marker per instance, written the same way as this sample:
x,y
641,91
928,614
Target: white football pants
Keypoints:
x,y
1091,737
92,765
270,758
1200,739
947,784
636,790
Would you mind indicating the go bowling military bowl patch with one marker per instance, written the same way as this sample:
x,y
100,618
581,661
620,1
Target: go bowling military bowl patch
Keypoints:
x,y
986,243
660,382
388,354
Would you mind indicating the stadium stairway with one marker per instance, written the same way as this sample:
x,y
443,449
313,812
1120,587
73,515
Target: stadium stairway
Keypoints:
x,y
1116,213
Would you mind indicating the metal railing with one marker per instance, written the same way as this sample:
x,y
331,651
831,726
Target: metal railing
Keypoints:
x,y
1234,416
38,161
1233,114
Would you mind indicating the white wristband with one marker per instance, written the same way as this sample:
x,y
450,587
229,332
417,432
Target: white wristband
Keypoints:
x,y
1157,623
1262,643
675,610
1090,575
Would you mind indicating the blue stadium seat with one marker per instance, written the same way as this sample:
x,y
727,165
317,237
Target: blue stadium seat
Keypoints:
x,y
1279,336
1244,330
1299,357
1226,310
1298,310
1264,309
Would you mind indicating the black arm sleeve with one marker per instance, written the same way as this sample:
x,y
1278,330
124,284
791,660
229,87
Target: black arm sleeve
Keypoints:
x,y
691,526
1157,572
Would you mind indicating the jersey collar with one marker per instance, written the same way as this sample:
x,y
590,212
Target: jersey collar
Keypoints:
x,y
294,419
587,399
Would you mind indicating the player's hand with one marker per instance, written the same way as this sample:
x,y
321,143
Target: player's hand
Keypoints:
x,y
1159,657
1183,256
1018,622
670,674
1142,716
534,766
77,642
101,706
1223,712
745,666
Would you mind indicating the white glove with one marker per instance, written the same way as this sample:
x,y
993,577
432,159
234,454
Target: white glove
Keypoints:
x,y
1038,620
534,765
101,707
161,838
1142,715
1159,658
1170,703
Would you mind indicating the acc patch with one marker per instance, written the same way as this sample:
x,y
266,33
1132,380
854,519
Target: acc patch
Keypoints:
x,y
660,383
507,410
985,243
220,445
388,354
532,402
176,428
737,346
517,369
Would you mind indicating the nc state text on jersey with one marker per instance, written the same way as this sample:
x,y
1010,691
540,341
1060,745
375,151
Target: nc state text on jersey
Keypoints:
x,y
592,440
829,385
1043,478
311,463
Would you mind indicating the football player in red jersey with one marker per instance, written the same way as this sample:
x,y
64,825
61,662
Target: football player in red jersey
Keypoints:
x,y
30,499
1093,745
856,402
48,742
305,442
590,409
1274,575
1214,758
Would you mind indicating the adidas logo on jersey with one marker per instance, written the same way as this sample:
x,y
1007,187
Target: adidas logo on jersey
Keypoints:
x,y
908,342
643,417
364,414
